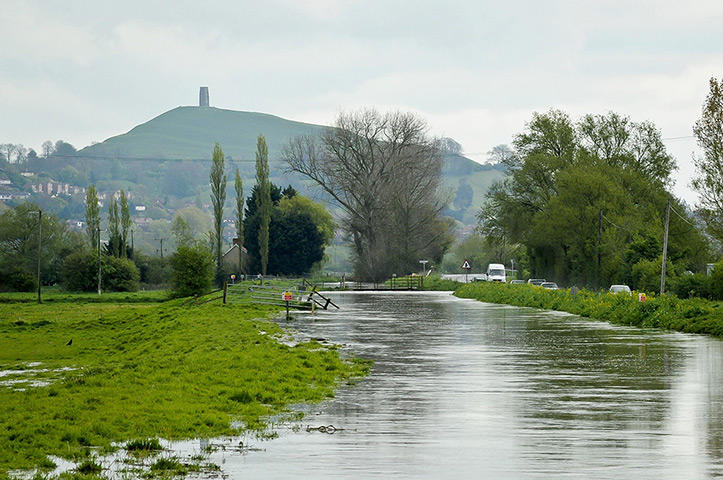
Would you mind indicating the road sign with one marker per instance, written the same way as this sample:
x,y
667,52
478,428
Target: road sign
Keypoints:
x,y
288,296
466,265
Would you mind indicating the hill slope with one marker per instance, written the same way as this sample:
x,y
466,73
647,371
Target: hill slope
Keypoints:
x,y
151,152
191,132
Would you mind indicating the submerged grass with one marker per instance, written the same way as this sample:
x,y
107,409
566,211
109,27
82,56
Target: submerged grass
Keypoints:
x,y
146,371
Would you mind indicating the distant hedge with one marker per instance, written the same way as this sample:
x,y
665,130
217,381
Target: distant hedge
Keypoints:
x,y
692,315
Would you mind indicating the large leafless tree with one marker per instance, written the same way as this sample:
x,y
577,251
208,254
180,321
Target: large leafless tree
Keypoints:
x,y
384,171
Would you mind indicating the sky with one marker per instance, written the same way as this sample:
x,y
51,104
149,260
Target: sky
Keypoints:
x,y
86,70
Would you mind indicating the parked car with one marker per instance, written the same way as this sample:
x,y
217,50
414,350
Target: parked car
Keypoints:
x,y
517,281
536,281
549,285
620,289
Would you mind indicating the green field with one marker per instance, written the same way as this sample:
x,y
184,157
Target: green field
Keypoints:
x,y
138,368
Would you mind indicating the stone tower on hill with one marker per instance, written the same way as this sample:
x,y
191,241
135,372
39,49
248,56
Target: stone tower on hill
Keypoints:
x,y
203,97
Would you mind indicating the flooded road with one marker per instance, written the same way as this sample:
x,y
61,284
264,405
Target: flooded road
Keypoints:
x,y
464,389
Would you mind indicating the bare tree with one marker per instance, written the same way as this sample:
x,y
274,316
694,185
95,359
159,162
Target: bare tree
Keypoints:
x,y
48,148
385,174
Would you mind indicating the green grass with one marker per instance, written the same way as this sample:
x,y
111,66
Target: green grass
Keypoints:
x,y
146,370
56,295
667,312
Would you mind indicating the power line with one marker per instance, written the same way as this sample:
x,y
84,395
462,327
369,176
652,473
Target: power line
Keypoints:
x,y
681,217
687,137
617,226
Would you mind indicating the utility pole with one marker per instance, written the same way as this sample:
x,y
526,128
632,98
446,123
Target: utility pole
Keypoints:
x,y
161,240
599,245
40,248
665,248
99,271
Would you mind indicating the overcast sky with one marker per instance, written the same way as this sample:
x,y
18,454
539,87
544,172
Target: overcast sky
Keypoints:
x,y
86,70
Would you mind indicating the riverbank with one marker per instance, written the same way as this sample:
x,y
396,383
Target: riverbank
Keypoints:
x,y
666,312
80,378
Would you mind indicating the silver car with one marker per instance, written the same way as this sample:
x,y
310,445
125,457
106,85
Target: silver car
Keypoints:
x,y
620,289
549,285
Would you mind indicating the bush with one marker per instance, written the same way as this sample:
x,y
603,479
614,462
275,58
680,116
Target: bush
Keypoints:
x,y
716,282
17,281
690,286
153,270
120,274
192,270
80,273
646,274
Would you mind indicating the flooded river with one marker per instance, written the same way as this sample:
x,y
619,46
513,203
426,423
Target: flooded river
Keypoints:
x,y
463,389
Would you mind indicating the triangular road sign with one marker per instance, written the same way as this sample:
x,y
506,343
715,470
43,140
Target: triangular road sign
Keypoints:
x,y
466,265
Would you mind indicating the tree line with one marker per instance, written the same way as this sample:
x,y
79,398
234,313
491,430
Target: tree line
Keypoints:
x,y
584,202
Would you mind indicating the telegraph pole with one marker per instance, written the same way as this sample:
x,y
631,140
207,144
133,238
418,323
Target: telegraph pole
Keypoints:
x,y
40,245
599,245
161,240
40,248
665,248
99,271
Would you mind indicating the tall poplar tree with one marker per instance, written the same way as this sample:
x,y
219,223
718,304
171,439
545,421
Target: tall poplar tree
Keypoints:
x,y
239,187
218,198
114,228
125,222
92,217
264,186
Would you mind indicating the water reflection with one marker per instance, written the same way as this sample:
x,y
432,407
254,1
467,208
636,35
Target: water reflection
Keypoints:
x,y
462,389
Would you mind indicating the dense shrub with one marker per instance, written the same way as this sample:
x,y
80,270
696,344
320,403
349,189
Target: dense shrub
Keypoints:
x,y
154,271
192,270
646,274
17,280
691,286
80,273
716,282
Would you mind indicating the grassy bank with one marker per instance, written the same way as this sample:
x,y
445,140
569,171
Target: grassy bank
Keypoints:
x,y
145,370
667,312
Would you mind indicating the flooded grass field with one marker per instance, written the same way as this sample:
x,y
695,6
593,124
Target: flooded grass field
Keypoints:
x,y
465,389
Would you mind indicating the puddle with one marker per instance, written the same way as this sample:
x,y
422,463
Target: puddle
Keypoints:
x,y
31,377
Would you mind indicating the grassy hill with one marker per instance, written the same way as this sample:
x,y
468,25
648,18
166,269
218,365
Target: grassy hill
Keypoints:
x,y
191,133
171,155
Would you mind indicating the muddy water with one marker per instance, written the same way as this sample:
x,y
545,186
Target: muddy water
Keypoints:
x,y
462,389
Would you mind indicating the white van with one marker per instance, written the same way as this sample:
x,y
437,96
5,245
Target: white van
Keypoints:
x,y
496,273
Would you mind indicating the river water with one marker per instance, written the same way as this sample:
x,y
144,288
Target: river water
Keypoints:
x,y
463,389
